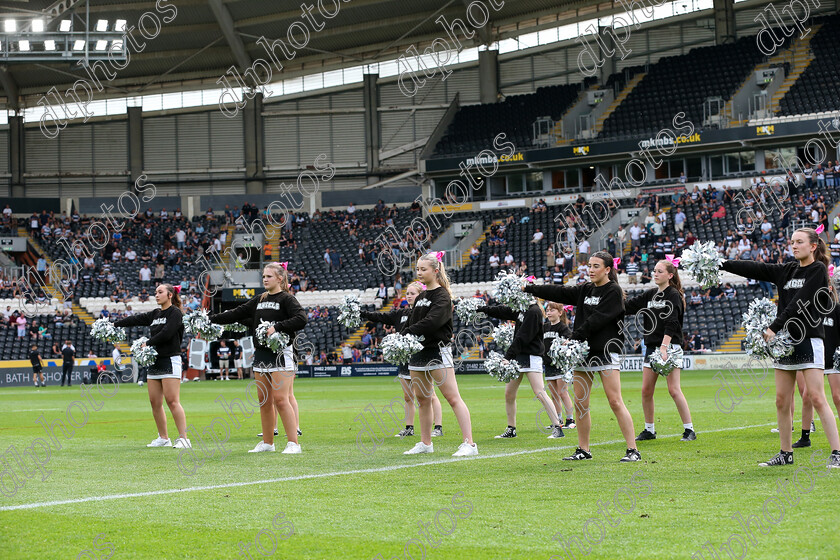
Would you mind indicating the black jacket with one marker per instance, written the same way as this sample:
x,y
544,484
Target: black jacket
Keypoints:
x,y
663,315
798,297
281,309
431,318
599,310
167,329
528,332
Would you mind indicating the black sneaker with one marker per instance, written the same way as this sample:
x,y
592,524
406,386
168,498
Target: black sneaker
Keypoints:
x,y
405,432
276,433
556,432
510,432
688,435
570,424
645,435
803,442
631,456
834,460
781,459
579,455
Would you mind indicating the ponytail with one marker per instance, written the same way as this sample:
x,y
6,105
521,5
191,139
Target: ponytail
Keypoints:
x,y
821,252
440,270
176,296
674,282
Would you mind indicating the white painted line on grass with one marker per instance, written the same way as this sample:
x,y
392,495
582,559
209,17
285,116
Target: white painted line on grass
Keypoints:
x,y
338,473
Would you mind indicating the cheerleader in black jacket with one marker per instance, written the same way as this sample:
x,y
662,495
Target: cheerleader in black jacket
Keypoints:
x,y
801,285
431,318
831,323
558,381
599,309
273,372
164,376
399,319
527,350
664,308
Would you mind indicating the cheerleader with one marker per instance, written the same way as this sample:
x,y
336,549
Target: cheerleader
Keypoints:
x,y
399,318
164,375
527,350
663,323
798,282
273,372
599,309
431,318
558,381
832,341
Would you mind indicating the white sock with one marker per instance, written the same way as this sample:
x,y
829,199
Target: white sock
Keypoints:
x,y
650,428
689,426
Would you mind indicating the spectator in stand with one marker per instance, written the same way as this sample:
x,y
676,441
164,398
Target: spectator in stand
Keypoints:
x,y
510,262
538,236
104,313
494,260
557,276
474,252
696,299
646,277
635,233
583,251
621,239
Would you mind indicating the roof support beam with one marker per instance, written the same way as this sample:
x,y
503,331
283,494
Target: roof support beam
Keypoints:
x,y
484,32
10,85
233,39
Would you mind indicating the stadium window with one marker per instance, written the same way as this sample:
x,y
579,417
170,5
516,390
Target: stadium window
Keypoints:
x,y
534,181
572,178
694,167
716,165
515,183
747,161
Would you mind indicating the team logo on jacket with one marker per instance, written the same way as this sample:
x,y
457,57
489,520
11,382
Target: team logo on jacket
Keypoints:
x,y
404,318
520,317
592,300
657,304
423,303
551,334
161,321
794,284
828,321
269,305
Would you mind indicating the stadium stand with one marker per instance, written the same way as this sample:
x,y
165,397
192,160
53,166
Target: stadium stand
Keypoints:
x,y
816,89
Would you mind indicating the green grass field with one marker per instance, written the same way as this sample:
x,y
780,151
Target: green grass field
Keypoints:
x,y
516,495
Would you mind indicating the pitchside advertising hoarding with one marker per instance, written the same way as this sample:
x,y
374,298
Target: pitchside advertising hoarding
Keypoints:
x,y
18,373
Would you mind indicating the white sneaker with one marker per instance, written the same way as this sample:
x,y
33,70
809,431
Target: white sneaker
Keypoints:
x,y
160,442
262,446
420,447
292,447
182,443
466,450
140,383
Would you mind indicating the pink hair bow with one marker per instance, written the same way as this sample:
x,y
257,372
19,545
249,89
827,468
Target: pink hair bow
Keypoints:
x,y
285,265
616,262
568,308
531,278
177,289
672,260
422,285
439,255
820,229
831,270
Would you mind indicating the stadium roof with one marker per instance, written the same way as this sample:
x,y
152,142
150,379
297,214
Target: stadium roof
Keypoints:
x,y
207,37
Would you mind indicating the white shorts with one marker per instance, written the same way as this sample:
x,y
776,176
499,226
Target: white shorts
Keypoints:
x,y
432,359
176,370
288,358
831,371
808,354
601,363
528,363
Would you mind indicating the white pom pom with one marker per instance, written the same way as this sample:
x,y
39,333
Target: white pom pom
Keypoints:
x,y
503,336
276,341
674,360
144,356
350,312
508,291
758,317
198,323
567,354
702,262
102,329
397,348
467,310
503,370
